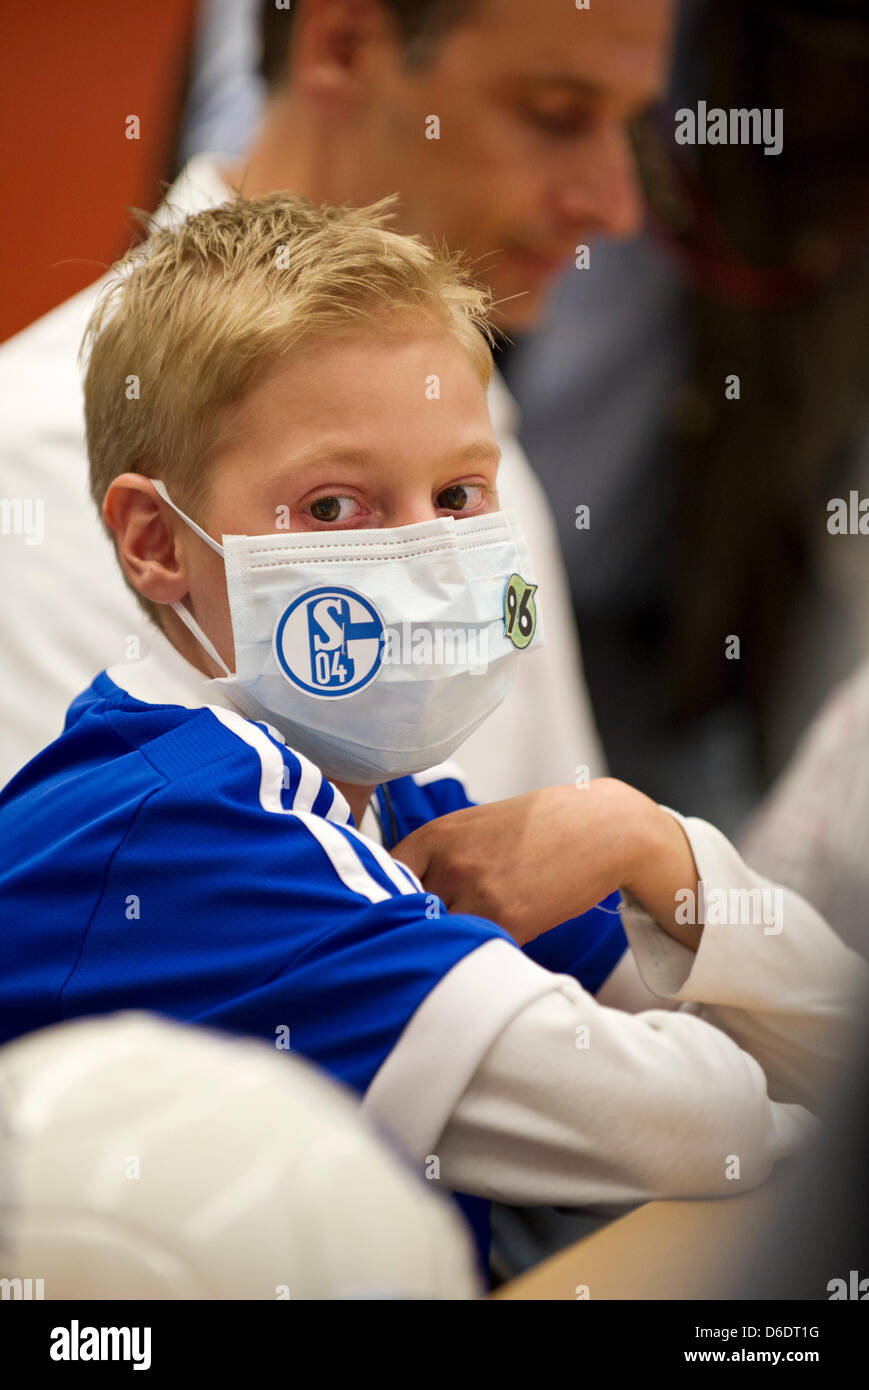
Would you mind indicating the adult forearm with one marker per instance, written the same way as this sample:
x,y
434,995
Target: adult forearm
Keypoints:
x,y
663,866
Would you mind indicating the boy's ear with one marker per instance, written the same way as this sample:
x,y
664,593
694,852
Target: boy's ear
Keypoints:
x,y
146,534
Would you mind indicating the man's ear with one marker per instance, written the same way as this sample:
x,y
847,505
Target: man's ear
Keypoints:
x,y
146,534
331,42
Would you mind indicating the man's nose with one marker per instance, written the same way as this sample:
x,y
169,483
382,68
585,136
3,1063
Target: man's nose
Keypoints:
x,y
602,193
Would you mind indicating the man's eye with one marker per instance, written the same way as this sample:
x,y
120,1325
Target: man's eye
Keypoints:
x,y
558,123
331,508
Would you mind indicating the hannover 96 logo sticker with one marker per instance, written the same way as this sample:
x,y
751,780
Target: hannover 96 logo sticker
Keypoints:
x,y
520,610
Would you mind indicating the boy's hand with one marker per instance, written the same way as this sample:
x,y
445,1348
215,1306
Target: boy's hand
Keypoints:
x,y
535,860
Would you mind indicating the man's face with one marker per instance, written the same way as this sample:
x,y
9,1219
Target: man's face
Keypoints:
x,y
347,436
533,156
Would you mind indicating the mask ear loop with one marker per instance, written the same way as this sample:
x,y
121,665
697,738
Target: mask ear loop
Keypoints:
x,y
160,489
192,625
183,612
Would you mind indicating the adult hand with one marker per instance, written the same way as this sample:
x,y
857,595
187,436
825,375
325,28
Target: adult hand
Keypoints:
x,y
533,861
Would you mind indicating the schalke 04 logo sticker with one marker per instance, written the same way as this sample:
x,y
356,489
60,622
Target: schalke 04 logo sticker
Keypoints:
x,y
520,610
329,641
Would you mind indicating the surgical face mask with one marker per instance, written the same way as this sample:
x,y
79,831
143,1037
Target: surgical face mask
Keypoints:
x,y
375,653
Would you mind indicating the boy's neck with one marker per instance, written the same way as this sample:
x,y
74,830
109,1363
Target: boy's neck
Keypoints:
x,y
357,798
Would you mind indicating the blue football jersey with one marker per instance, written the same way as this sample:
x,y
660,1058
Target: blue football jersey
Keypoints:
x,y
187,862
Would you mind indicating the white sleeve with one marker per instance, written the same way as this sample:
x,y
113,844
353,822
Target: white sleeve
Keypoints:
x,y
769,971
529,1090
624,988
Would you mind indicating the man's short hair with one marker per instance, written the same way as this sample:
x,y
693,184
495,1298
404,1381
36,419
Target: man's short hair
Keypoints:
x,y
419,26
193,318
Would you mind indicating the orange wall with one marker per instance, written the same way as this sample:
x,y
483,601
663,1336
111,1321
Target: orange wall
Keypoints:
x,y
73,70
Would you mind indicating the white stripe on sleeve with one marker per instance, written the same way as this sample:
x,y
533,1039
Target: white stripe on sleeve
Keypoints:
x,y
334,840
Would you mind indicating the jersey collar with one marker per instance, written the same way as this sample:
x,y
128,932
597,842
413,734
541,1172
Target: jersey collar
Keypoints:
x,y
165,677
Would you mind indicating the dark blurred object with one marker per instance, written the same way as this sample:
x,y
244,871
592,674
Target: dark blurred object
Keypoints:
x,y
777,251
818,1228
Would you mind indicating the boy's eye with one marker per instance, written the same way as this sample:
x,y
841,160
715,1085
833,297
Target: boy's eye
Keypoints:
x,y
457,497
332,508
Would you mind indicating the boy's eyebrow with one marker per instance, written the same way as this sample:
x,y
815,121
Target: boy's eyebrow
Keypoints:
x,y
478,449
327,455
332,453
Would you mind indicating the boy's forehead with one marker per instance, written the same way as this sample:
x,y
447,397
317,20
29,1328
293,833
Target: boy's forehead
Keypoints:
x,y
361,363
342,398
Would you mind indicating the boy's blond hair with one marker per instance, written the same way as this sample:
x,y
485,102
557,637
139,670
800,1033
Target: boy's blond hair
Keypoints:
x,y
195,316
